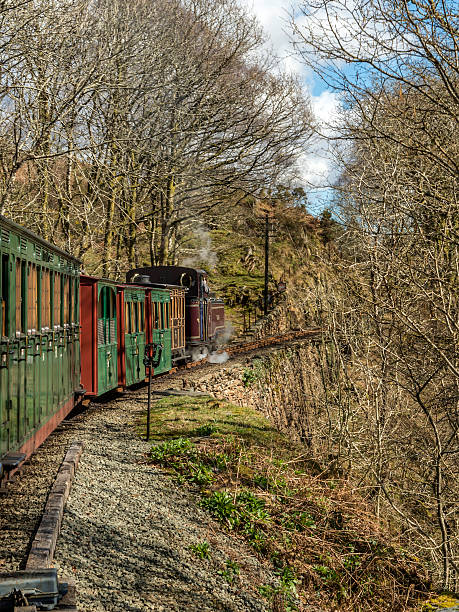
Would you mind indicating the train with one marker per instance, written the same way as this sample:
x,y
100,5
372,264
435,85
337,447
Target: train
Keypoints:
x,y
66,335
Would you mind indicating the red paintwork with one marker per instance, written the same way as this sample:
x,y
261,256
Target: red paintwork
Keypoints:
x,y
192,322
216,318
88,321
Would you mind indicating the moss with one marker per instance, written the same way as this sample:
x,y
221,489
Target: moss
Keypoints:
x,y
440,602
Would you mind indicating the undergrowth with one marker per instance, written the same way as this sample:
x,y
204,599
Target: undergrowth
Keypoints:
x,y
324,544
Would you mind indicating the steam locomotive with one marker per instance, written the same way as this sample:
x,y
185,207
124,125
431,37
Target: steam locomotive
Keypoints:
x,y
66,335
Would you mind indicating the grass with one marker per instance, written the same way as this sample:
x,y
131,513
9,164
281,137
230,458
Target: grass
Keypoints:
x,y
201,550
231,571
323,544
187,417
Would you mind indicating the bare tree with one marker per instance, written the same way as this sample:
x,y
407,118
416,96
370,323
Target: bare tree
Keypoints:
x,y
394,64
228,123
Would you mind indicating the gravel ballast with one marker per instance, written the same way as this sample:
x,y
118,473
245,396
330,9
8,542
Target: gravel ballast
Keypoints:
x,y
128,528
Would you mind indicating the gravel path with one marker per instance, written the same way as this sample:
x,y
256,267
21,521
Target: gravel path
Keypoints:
x,y
128,527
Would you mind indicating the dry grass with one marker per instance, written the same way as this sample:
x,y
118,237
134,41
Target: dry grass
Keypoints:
x,y
326,545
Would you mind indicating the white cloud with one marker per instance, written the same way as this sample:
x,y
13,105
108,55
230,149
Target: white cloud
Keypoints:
x,y
316,169
272,15
326,108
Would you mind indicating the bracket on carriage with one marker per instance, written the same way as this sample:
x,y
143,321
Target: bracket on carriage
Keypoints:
x,y
153,353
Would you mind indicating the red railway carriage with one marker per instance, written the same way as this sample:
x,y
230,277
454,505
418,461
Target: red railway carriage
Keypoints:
x,y
99,347
204,314
118,320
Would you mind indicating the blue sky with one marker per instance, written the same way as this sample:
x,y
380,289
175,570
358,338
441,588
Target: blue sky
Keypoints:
x,y
317,168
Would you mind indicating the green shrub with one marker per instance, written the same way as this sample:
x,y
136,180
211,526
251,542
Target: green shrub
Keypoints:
x,y
231,572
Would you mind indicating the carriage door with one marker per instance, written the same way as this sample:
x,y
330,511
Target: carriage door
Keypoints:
x,y
204,312
106,339
161,332
5,355
134,312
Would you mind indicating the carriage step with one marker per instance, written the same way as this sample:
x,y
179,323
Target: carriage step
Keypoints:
x,y
11,461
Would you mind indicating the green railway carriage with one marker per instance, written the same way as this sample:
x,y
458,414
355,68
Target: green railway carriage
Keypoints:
x,y
160,321
132,326
39,340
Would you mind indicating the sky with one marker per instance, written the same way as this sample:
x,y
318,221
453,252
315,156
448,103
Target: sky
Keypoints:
x,y
317,169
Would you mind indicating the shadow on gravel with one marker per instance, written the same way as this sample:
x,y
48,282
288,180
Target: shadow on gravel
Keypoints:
x,y
148,562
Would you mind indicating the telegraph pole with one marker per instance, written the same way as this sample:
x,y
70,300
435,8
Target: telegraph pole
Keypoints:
x,y
265,301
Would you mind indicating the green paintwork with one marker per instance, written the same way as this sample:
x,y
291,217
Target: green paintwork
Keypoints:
x,y
163,334
134,340
107,354
39,368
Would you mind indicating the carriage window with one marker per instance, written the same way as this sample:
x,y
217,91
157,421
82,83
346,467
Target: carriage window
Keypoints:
x,y
110,332
106,324
4,300
70,306
127,316
32,302
112,312
106,303
158,315
136,316
167,322
142,317
56,299
66,293
100,305
111,303
76,301
45,299
20,269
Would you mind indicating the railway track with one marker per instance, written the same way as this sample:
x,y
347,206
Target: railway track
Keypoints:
x,y
290,336
247,347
